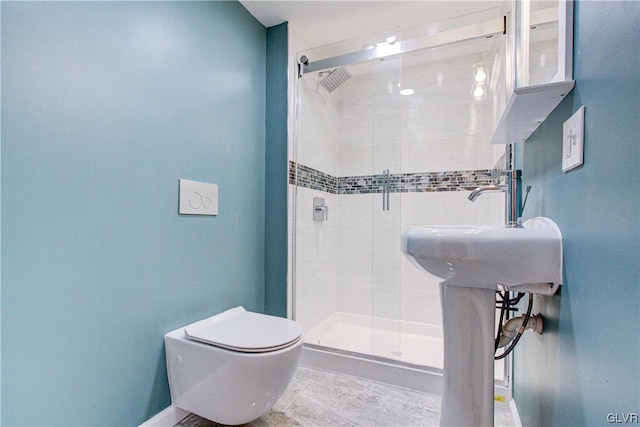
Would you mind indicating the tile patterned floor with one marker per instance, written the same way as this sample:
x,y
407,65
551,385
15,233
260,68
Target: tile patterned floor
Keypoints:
x,y
319,398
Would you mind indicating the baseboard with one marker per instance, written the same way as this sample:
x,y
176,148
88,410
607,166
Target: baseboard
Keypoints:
x,y
166,418
514,413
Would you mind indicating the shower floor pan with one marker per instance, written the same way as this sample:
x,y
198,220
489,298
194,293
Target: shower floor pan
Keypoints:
x,y
408,342
406,354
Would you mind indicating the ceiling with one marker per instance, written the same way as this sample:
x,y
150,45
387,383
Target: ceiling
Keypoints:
x,y
318,23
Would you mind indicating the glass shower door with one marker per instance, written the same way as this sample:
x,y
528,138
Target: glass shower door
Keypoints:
x,y
386,302
399,142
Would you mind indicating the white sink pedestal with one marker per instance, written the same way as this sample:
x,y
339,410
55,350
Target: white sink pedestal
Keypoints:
x,y
468,329
472,261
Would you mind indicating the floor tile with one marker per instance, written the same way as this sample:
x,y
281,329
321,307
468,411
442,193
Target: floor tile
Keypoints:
x,y
320,398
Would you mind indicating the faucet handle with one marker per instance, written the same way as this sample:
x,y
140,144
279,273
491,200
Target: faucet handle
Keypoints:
x,y
320,210
526,195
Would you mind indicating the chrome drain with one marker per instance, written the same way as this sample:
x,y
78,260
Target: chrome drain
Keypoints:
x,y
396,353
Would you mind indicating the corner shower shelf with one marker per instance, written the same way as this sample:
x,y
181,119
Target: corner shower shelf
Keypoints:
x,y
527,108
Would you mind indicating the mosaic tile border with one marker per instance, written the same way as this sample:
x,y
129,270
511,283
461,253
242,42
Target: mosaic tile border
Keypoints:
x,y
464,180
308,177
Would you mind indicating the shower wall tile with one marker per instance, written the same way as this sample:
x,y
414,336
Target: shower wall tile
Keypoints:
x,y
459,210
354,238
317,117
420,305
491,210
355,128
304,205
453,208
315,261
440,153
317,295
356,209
387,296
422,208
388,156
355,262
355,160
354,291
390,217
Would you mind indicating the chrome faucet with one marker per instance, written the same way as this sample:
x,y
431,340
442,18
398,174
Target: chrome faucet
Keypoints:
x,y
512,190
487,189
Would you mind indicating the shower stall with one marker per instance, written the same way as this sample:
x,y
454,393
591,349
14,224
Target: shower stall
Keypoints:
x,y
390,131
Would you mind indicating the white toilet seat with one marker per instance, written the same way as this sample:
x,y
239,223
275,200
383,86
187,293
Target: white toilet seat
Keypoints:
x,y
244,331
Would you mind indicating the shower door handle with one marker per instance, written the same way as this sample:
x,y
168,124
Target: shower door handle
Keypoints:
x,y
388,184
385,190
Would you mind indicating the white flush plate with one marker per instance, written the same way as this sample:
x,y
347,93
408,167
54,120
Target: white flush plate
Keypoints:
x,y
198,198
573,141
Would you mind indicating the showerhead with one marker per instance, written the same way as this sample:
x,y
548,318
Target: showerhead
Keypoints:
x,y
335,79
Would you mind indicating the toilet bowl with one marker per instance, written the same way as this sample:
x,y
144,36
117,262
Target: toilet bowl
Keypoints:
x,y
232,368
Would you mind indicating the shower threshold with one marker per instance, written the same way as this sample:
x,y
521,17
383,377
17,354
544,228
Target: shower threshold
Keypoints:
x,y
368,347
418,344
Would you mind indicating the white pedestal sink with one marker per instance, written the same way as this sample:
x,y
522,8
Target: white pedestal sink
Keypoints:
x,y
473,261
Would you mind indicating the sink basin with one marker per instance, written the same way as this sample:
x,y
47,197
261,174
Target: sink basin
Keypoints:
x,y
526,259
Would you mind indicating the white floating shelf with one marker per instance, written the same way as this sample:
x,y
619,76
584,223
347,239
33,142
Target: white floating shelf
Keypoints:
x,y
527,108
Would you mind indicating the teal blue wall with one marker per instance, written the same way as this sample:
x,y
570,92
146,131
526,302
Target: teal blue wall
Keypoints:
x,y
276,172
0,233
587,363
105,105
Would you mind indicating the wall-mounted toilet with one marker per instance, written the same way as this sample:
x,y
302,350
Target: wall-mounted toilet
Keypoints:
x,y
232,368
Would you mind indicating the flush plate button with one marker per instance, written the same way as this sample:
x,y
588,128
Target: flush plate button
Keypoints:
x,y
198,198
